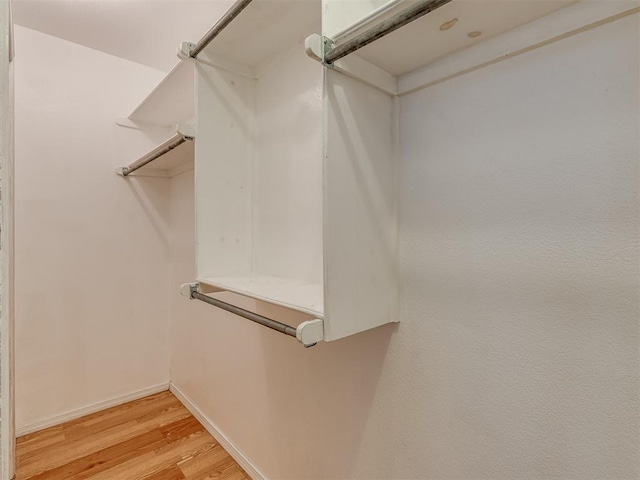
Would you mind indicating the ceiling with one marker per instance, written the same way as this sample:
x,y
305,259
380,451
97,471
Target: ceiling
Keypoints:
x,y
143,31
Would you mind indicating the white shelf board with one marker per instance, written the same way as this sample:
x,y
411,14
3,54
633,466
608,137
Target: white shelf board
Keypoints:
x,y
572,20
422,41
286,292
172,101
177,161
263,30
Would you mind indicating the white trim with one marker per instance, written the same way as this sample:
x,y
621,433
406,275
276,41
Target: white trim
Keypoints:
x,y
220,437
89,409
557,26
7,370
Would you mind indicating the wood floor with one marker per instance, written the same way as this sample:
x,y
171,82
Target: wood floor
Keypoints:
x,y
155,438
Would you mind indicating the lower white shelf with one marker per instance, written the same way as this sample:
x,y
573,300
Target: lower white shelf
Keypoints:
x,y
175,162
174,156
290,293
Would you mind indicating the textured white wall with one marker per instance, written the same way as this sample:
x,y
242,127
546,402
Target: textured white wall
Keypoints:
x,y
92,310
520,256
517,355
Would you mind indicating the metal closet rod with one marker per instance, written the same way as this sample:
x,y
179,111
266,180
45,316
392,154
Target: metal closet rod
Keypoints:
x,y
174,142
254,317
383,29
225,20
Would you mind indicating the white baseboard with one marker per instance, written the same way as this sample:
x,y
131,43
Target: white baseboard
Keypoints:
x,y
89,409
220,437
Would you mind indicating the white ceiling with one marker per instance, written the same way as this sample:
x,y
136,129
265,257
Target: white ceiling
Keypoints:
x,y
144,31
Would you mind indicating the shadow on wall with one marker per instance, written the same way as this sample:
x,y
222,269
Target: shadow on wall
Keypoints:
x,y
150,193
290,404
300,391
151,199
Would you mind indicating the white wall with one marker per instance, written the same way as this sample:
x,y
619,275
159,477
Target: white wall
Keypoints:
x,y
517,355
91,247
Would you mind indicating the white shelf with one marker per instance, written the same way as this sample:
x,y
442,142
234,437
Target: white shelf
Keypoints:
x,y
173,162
263,31
295,175
423,41
171,102
290,293
259,166
297,164
165,109
177,161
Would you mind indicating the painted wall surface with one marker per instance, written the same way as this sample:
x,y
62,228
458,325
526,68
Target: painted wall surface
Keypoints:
x,y
92,310
517,352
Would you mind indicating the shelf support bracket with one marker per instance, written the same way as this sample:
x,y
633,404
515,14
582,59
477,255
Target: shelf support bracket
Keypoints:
x,y
315,45
308,333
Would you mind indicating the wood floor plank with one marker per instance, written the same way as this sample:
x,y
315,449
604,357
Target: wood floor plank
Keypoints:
x,y
154,438
120,416
104,459
180,429
118,409
222,470
51,457
37,443
233,472
168,473
203,462
41,436
154,461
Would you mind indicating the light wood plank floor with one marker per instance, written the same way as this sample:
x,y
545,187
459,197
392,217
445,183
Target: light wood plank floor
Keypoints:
x,y
155,438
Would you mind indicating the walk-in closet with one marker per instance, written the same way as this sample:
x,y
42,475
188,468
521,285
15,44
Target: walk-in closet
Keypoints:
x,y
319,239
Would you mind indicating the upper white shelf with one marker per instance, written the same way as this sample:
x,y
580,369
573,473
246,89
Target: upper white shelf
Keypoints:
x,y
173,163
171,102
169,107
452,27
260,32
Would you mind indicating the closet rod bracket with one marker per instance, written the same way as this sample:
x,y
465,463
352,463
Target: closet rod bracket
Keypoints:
x,y
308,333
316,45
327,51
188,289
184,51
